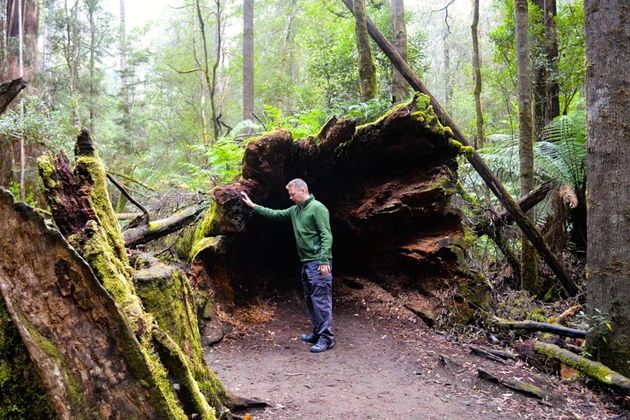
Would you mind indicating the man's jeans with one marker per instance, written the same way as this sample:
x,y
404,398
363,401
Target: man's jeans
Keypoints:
x,y
318,299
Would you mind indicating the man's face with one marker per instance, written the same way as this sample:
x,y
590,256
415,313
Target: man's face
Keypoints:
x,y
297,195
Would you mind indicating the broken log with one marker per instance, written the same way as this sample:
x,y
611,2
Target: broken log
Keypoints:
x,y
593,370
540,326
528,228
524,388
83,212
492,354
162,227
391,214
8,92
526,203
80,343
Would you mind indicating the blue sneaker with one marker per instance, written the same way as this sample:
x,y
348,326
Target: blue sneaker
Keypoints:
x,y
309,338
321,346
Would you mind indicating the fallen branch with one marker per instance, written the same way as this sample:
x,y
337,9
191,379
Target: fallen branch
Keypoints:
x,y
528,228
128,196
492,354
530,390
594,370
526,203
127,216
154,230
131,179
540,326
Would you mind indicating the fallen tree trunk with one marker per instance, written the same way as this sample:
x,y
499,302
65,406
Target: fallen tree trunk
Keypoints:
x,y
162,227
8,92
594,370
540,326
83,212
475,160
79,342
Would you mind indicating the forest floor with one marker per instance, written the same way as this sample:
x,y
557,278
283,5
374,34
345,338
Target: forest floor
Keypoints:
x,y
386,364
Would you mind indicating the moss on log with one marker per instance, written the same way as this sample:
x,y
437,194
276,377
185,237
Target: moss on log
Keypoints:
x,y
593,370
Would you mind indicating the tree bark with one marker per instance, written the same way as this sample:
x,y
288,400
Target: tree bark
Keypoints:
x,y
529,261
367,71
248,59
399,29
608,181
478,141
83,213
75,334
540,326
9,91
475,160
546,89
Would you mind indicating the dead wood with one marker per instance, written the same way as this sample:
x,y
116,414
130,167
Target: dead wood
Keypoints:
x,y
123,191
593,370
475,160
388,186
524,388
491,354
81,208
569,313
497,221
540,326
162,227
8,92
78,340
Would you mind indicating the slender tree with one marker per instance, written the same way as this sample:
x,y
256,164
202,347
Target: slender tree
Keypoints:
x,y
546,89
248,59
399,30
367,71
608,183
529,263
477,74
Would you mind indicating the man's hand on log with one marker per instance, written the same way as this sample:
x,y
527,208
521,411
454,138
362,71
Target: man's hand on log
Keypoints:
x,y
247,200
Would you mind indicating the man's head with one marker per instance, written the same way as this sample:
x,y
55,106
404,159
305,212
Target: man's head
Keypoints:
x,y
298,191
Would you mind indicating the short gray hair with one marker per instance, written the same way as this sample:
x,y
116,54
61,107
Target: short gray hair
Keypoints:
x,y
297,183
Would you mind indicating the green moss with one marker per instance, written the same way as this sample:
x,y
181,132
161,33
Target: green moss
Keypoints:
x,y
537,314
153,226
22,394
204,243
206,228
461,149
47,172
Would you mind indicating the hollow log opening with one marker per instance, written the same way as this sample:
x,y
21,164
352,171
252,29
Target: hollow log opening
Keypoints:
x,y
388,187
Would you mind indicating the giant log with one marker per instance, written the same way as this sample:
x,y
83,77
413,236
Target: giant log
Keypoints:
x,y
388,187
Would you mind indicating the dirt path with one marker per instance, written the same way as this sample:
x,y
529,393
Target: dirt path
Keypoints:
x,y
385,365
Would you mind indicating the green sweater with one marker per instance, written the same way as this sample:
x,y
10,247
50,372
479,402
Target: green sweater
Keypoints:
x,y
311,227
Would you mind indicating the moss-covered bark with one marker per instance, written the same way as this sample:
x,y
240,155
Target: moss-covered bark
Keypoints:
x,y
22,394
94,232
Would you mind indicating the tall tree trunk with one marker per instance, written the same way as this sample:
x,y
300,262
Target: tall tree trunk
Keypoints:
x,y
546,89
289,66
91,6
399,29
608,181
248,59
477,71
529,262
367,71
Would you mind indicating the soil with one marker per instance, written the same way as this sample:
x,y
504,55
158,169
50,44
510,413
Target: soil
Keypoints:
x,y
386,364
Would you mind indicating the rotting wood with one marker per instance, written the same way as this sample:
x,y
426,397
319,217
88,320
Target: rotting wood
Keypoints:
x,y
594,370
162,227
491,354
475,160
8,92
569,313
123,191
540,326
524,388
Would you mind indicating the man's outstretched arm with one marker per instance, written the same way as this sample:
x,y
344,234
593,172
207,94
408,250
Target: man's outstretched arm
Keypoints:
x,y
267,212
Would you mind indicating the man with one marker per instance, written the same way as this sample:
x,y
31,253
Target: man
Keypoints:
x,y
311,227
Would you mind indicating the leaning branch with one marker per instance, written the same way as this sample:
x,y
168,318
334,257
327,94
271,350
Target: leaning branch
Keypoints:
x,y
157,229
128,196
475,160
